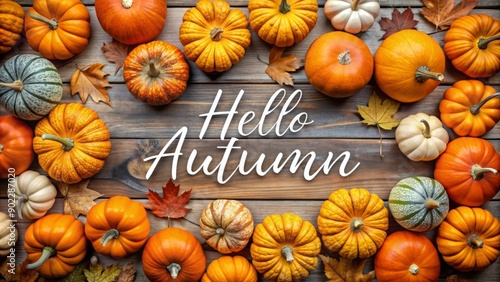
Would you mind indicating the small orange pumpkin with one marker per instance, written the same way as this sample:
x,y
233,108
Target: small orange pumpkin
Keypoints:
x,y
230,269
11,25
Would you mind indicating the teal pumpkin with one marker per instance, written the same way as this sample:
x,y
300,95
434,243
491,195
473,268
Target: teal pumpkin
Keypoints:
x,y
418,203
30,86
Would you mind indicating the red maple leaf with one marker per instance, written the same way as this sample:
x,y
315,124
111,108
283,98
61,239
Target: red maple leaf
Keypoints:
x,y
398,22
170,205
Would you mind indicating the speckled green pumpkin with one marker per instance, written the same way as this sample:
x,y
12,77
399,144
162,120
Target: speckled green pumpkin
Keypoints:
x,y
418,203
30,86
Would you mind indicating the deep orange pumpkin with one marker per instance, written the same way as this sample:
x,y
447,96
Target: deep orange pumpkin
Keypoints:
x,y
11,25
16,146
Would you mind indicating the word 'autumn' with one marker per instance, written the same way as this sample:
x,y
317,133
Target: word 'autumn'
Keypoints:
x,y
294,160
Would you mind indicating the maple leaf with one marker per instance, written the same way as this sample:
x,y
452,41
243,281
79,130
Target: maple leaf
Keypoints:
x,y
380,114
279,67
127,274
95,273
78,199
171,205
20,273
443,12
398,22
346,270
115,52
91,81
77,274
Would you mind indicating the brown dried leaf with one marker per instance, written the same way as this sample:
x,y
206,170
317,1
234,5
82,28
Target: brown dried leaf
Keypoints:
x,y
346,270
115,52
443,12
279,67
127,274
91,81
399,21
170,205
78,199
17,274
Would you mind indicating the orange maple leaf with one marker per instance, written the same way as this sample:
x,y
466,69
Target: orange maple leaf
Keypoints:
x,y
91,81
115,52
443,12
170,205
279,67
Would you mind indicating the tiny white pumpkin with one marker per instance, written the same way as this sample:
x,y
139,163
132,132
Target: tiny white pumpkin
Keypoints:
x,y
35,193
353,16
8,235
421,137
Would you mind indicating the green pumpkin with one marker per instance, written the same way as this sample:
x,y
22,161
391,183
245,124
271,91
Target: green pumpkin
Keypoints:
x,y
418,203
30,86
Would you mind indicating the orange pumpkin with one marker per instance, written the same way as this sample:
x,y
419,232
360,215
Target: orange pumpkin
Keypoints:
x,y
11,25
16,146
229,269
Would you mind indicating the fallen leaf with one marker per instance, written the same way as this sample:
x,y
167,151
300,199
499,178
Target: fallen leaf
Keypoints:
x,y
380,114
95,273
76,275
115,52
279,67
78,199
127,274
456,278
399,21
170,205
91,81
346,270
443,12
18,274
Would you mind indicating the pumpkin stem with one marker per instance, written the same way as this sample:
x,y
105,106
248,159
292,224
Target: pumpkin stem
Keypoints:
x,y
475,109
431,204
219,231
423,73
67,144
477,172
46,253
216,34
1,148
127,4
344,57
427,130
356,224
16,85
287,251
354,5
474,241
20,202
174,269
153,70
483,42
53,24
284,7
413,269
108,236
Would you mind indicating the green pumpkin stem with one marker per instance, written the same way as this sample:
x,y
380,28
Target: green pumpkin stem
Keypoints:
x,y
127,4
108,236
476,108
53,24
67,143
483,42
427,130
284,7
354,5
153,70
216,34
431,204
47,252
16,85
477,172
413,269
423,73
287,252
474,241
174,269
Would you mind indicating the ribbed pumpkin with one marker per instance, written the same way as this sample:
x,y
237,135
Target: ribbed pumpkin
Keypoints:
x,y
8,235
57,29
30,86
72,143
230,269
285,247
11,25
226,225
35,193
352,16
16,146
283,22
409,65
418,203
214,36
353,222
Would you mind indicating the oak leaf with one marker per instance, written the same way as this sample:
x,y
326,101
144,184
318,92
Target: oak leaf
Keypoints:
x,y
127,274
91,81
443,12
78,199
279,67
115,52
170,205
346,270
399,21
96,273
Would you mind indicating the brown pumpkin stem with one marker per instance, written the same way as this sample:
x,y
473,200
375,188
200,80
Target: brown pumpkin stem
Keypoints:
x,y
483,42
153,70
47,252
477,172
356,224
108,236
284,7
287,252
476,108
413,269
474,241
431,204
67,144
1,148
344,58
219,231
16,85
423,73
427,130
127,4
20,203
354,5
53,24
216,34
174,269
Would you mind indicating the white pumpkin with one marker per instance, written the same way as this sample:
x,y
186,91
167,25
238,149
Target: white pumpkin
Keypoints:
x,y
421,137
8,235
353,16
35,193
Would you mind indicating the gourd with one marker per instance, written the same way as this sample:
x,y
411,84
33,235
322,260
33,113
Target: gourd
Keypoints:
x,y
285,247
57,29
16,146
229,269
55,244
353,16
472,45
421,137
72,143
470,108
30,86
409,65
338,64
407,256
282,22
418,203
156,72
173,254
11,26
117,227
469,239
35,194
214,36
353,223
226,225
8,235
468,170
132,22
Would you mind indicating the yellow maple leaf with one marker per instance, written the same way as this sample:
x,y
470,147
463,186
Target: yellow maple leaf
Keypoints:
x,y
78,199
91,81
279,67
444,12
346,270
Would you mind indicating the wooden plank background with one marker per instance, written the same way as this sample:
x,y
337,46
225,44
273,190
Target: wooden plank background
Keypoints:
x,y
336,128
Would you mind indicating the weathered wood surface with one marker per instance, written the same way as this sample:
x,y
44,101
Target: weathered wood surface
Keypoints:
x,y
336,128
